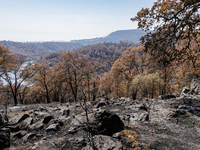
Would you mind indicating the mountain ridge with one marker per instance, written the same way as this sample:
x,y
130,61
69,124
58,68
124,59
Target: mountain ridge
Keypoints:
x,y
131,35
34,50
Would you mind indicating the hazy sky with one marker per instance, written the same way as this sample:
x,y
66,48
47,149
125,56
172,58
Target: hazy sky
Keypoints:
x,y
65,20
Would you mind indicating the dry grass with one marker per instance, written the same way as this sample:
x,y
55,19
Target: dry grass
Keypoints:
x,y
126,133
131,138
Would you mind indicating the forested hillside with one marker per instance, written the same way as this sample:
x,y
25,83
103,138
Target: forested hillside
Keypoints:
x,y
34,50
101,56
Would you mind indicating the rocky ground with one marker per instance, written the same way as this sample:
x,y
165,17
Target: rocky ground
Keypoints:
x,y
168,122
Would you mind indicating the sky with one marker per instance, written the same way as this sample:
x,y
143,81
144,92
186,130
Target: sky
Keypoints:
x,y
65,20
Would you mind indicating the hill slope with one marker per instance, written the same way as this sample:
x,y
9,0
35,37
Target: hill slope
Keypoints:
x,y
101,55
115,37
34,50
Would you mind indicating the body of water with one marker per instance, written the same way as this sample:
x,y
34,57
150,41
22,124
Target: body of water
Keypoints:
x,y
12,75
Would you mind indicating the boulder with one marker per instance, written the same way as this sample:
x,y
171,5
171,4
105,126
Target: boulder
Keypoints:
x,y
195,86
54,121
20,134
14,128
80,120
53,127
40,115
106,123
27,122
4,138
139,117
28,136
20,118
103,142
65,119
47,119
36,126
117,135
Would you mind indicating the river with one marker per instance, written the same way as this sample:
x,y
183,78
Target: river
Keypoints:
x,y
12,75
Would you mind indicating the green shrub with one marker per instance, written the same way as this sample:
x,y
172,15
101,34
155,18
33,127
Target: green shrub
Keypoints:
x,y
146,85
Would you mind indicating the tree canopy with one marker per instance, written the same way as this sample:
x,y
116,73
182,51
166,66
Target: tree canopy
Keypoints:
x,y
172,22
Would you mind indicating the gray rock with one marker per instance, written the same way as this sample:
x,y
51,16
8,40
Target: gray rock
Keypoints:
x,y
139,117
47,119
27,122
80,120
106,123
66,112
72,130
175,94
43,109
41,114
195,86
177,113
190,109
14,128
53,127
20,118
28,136
64,119
36,126
20,134
117,135
102,142
54,121
4,138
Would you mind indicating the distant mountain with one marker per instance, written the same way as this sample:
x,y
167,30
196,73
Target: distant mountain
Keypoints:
x,y
115,37
33,50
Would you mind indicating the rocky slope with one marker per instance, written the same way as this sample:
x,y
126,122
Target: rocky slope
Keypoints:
x,y
168,122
